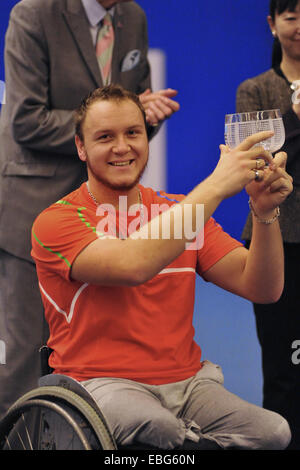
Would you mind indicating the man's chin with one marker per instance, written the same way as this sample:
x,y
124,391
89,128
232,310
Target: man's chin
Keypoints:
x,y
122,186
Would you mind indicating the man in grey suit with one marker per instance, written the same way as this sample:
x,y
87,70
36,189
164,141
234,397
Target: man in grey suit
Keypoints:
x,y
50,66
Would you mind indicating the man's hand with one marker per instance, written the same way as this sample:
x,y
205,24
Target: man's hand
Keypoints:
x,y
159,105
238,167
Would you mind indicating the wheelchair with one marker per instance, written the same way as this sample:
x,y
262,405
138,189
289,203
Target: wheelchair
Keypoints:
x,y
58,415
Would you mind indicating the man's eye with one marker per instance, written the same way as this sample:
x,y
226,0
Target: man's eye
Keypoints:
x,y
133,132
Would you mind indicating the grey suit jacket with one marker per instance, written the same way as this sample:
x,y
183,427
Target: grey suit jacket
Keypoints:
x,y
270,91
50,65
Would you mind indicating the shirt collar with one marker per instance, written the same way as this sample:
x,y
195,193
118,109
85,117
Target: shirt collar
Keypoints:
x,y
94,11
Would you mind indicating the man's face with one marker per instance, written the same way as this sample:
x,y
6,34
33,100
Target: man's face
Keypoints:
x,y
107,4
115,143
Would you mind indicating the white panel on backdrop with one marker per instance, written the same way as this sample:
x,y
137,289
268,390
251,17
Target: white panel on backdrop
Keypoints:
x,y
2,92
2,352
155,173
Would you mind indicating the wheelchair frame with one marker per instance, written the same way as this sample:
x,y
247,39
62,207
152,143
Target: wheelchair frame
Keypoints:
x,y
58,415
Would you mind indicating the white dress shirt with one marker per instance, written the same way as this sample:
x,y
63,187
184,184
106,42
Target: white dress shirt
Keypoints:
x,y
95,13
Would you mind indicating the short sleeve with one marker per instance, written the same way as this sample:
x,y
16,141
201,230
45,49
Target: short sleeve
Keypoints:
x,y
59,234
216,244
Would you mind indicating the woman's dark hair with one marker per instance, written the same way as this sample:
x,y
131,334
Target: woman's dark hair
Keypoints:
x,y
279,6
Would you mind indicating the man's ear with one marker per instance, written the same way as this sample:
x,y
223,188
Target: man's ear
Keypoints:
x,y
80,148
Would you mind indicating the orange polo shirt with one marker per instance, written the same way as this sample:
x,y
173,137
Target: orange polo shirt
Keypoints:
x,y
143,333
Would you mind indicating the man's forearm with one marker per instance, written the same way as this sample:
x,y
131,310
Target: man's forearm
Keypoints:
x,y
141,256
154,253
50,131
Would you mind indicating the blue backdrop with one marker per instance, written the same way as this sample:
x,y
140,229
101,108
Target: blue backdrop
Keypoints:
x,y
210,48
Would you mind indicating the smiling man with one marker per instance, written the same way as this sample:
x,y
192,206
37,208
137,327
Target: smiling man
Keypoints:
x,y
120,311
114,146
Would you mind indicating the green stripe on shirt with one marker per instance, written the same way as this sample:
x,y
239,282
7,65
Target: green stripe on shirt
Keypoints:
x,y
51,251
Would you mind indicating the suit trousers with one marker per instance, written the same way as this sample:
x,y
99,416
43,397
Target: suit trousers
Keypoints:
x,y
22,328
196,409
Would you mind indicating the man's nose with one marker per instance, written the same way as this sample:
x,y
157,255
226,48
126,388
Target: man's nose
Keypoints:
x,y
121,146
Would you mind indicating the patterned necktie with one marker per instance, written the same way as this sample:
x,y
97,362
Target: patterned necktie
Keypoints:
x,y
104,48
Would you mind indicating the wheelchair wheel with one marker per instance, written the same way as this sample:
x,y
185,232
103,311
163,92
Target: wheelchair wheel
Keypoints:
x,y
54,418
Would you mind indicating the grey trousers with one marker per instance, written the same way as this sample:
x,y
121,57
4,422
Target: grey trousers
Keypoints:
x,y
22,328
164,416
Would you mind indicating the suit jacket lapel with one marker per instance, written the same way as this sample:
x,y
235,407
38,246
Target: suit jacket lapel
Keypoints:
x,y
76,20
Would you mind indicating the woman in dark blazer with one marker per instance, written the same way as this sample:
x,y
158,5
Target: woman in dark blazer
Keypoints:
x,y
278,325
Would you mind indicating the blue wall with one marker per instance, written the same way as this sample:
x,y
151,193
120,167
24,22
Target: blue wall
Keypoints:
x,y
211,47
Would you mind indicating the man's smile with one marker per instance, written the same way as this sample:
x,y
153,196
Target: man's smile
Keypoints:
x,y
126,163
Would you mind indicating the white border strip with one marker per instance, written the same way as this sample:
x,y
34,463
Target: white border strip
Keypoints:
x,y
177,270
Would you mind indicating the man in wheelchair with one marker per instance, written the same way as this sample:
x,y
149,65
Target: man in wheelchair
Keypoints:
x,y
117,263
